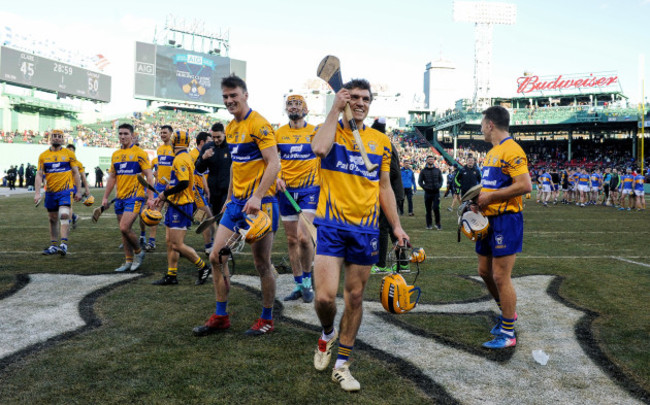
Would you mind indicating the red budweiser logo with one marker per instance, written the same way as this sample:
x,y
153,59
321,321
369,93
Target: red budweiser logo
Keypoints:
x,y
526,84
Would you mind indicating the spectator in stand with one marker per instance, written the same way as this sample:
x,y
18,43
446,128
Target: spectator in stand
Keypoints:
x,y
430,181
408,181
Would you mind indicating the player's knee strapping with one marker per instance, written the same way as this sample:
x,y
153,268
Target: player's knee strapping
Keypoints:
x,y
64,215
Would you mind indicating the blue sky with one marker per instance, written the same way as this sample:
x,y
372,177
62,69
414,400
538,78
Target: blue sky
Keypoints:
x,y
387,42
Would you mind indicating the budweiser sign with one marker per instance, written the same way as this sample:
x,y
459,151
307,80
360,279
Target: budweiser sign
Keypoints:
x,y
527,84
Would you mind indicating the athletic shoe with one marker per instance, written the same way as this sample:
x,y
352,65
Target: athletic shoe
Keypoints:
x,y
208,251
214,324
52,250
402,268
166,280
323,352
295,294
75,217
343,376
260,327
143,242
497,328
203,274
621,209
121,246
137,260
429,227
501,341
439,227
63,249
411,214
307,294
125,267
449,209
379,270
150,246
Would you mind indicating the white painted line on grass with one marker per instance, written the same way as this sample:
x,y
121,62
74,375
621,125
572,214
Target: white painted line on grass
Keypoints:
x,y
630,261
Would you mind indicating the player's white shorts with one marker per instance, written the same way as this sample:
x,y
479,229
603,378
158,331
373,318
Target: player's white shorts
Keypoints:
x,y
638,193
626,191
595,189
546,188
583,188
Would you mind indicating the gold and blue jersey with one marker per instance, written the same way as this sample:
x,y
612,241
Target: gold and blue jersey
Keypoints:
x,y
127,164
198,177
638,182
299,163
246,140
182,170
583,179
501,164
545,179
57,168
596,179
165,158
349,194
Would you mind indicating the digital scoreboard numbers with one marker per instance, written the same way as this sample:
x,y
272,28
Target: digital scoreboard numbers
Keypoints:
x,y
29,70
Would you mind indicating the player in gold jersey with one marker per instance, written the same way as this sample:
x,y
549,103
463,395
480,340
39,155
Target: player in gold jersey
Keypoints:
x,y
163,163
505,179
59,166
347,219
255,166
180,193
202,192
126,163
299,176
83,181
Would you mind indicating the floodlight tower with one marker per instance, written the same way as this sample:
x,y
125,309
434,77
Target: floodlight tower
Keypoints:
x,y
484,15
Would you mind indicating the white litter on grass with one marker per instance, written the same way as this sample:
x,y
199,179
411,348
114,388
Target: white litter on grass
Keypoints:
x,y
541,357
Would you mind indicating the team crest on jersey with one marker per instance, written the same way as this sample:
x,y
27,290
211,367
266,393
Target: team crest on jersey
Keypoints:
x,y
183,168
372,146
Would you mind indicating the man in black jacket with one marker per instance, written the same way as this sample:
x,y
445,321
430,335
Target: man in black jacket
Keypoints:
x,y
215,157
430,181
468,176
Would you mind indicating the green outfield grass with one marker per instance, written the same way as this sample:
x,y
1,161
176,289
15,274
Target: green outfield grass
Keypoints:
x,y
144,352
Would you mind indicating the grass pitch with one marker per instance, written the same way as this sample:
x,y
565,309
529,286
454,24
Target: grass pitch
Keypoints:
x,y
139,347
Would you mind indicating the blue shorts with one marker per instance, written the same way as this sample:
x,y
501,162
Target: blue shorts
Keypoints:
x,y
555,187
234,219
307,201
175,220
354,247
57,199
505,236
128,205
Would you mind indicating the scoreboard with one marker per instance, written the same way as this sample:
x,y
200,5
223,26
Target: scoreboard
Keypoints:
x,y
29,70
165,73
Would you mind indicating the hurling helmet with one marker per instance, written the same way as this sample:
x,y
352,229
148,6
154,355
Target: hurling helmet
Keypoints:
x,y
258,226
396,295
181,139
151,217
90,200
474,225
418,255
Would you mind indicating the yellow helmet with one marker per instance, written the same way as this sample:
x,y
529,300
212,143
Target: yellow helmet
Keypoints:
x,y
151,217
90,200
474,225
258,226
418,255
181,139
395,294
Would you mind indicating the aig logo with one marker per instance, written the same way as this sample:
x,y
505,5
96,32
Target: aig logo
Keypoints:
x,y
195,59
144,68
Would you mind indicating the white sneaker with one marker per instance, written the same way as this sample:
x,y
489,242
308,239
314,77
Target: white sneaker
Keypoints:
x,y
343,376
137,260
323,352
124,267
